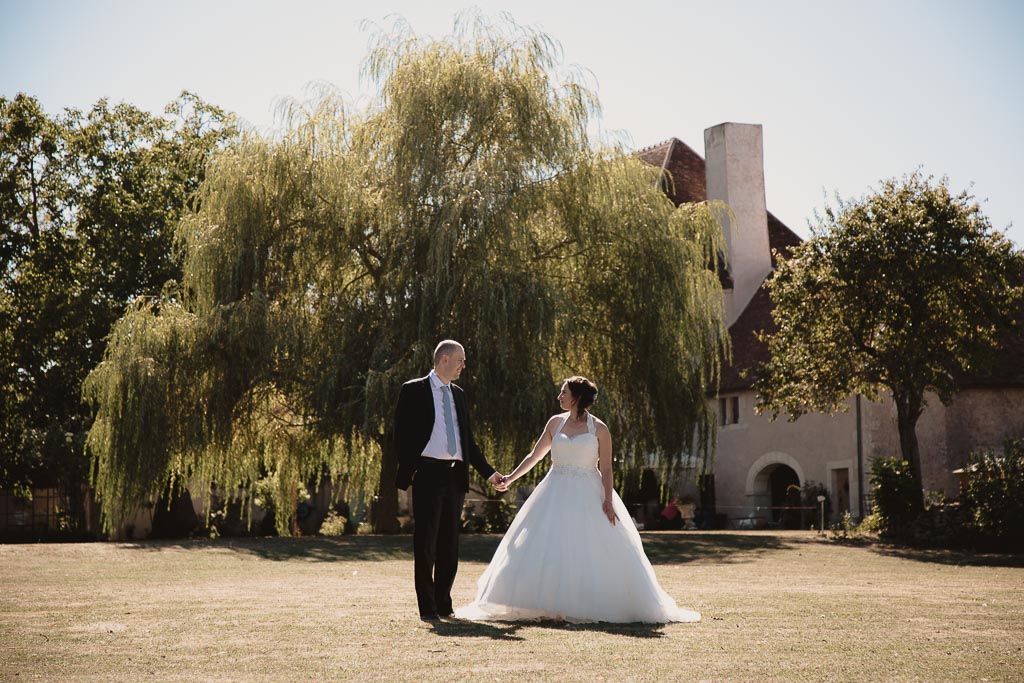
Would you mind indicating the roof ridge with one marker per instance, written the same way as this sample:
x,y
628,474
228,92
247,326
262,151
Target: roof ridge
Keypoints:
x,y
656,145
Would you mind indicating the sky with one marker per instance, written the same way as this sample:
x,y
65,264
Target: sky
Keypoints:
x,y
848,93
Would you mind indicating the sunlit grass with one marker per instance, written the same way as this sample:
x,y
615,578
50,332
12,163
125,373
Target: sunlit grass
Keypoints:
x,y
776,605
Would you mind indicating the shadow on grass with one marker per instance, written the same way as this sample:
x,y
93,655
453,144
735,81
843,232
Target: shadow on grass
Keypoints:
x,y
676,547
509,630
310,548
664,547
950,557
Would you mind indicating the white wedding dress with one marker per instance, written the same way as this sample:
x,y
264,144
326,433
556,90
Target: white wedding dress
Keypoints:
x,y
562,559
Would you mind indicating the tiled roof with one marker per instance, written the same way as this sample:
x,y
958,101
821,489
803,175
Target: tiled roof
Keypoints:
x,y
685,182
747,351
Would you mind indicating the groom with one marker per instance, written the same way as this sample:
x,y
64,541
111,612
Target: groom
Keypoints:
x,y
435,441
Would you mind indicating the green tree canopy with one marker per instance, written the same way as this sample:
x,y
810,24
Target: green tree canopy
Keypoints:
x,y
907,289
467,200
87,205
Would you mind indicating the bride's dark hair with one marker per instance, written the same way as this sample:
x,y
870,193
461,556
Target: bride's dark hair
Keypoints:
x,y
584,391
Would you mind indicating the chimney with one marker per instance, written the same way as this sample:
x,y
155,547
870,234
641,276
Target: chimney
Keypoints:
x,y
734,169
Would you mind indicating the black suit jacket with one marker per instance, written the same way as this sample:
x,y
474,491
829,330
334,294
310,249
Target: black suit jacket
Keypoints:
x,y
414,420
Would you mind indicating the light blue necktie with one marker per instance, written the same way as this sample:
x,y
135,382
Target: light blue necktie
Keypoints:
x,y
449,422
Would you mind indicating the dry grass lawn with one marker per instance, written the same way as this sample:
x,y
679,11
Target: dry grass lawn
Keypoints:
x,y
783,606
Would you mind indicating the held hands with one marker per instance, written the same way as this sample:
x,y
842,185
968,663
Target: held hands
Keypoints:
x,y
609,511
499,481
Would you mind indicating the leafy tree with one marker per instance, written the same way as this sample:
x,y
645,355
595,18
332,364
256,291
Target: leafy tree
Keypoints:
x,y
31,187
906,289
323,265
87,201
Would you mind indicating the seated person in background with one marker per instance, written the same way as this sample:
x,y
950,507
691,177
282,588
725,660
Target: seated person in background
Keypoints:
x,y
670,517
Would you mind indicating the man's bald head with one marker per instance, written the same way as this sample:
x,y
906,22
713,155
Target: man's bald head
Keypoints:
x,y
446,348
449,359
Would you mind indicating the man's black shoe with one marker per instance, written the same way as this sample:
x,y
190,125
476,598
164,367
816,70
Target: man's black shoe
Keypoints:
x,y
430,617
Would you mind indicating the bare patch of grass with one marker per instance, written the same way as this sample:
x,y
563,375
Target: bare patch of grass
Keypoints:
x,y
781,605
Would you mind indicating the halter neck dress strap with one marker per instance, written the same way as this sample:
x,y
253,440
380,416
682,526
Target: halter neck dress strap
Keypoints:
x,y
561,424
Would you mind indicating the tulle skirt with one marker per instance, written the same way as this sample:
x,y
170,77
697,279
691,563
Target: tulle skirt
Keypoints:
x,y
562,559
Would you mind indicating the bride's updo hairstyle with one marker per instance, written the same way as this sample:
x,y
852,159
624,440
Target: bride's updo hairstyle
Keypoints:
x,y
584,391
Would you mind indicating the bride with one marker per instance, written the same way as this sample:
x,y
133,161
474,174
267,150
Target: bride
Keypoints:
x,y
572,552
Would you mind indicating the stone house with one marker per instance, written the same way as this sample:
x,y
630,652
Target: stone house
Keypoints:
x,y
757,460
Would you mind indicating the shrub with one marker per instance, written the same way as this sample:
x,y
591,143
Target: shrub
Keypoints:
x,y
334,524
989,517
473,522
943,524
871,524
844,529
994,495
496,517
500,514
892,488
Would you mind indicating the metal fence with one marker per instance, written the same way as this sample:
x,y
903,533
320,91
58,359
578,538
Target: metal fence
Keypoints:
x,y
50,513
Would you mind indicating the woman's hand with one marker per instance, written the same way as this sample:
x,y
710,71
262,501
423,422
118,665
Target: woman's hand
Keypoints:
x,y
609,511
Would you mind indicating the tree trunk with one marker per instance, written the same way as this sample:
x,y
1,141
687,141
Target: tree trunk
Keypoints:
x,y
385,507
908,410
293,507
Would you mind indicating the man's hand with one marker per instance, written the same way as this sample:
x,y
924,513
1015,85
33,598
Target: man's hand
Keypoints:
x,y
497,480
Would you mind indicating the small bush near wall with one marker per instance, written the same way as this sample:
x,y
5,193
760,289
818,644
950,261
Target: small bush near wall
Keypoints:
x,y
994,496
892,486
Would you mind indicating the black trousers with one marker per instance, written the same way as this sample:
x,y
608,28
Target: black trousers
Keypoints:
x,y
437,498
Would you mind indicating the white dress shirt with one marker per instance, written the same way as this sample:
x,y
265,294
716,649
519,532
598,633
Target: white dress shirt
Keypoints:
x,y
437,447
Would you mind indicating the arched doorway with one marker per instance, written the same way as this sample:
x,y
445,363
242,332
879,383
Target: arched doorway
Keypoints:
x,y
773,483
784,485
776,485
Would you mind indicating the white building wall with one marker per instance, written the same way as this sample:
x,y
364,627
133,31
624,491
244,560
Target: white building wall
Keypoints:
x,y
815,445
812,446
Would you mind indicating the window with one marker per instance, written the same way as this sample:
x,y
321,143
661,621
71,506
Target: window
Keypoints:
x,y
728,410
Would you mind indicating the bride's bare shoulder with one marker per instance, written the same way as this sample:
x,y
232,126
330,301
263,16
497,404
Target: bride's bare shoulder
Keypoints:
x,y
600,426
553,421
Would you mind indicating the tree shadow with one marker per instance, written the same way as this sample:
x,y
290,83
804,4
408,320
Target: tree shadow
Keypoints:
x,y
678,547
309,548
499,630
662,547
963,558
673,547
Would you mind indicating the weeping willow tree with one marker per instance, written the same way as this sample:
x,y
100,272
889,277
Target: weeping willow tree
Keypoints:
x,y
324,263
